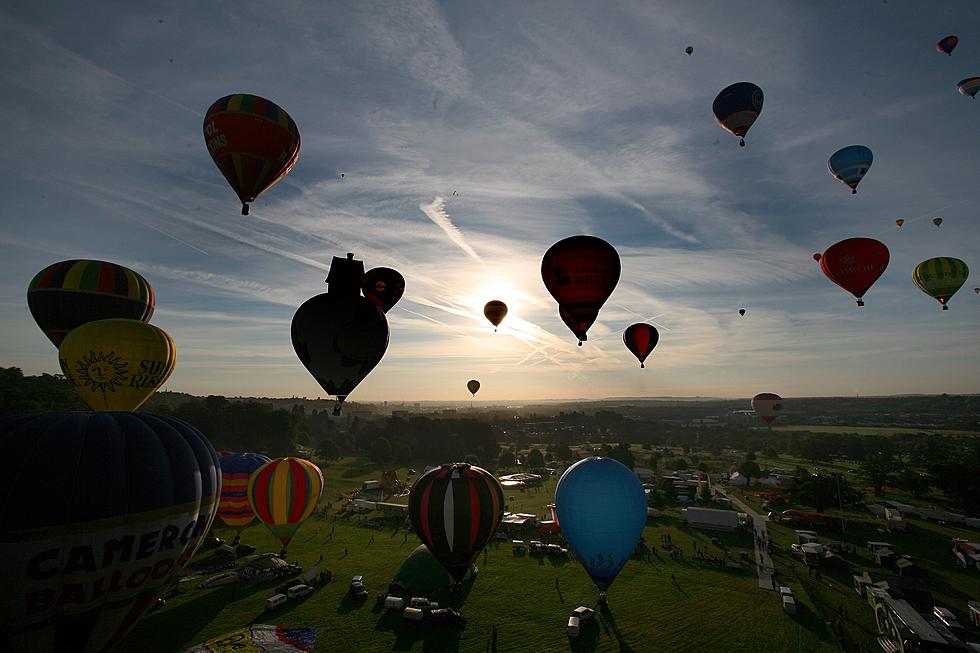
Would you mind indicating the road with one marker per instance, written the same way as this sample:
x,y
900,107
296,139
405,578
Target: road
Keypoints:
x,y
763,562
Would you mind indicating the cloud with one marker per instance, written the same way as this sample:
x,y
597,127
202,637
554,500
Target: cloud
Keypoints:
x,y
436,211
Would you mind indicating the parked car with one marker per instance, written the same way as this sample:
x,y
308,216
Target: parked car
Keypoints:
x,y
274,602
413,614
946,616
447,617
356,590
299,591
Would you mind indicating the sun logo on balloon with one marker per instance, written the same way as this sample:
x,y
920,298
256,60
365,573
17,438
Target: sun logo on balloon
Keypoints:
x,y
103,371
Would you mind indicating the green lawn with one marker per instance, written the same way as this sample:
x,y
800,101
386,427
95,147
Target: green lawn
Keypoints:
x,y
707,609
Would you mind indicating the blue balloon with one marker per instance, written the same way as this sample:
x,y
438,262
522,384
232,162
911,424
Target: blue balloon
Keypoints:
x,y
850,164
602,511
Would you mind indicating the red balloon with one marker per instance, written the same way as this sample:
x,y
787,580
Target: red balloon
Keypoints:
x,y
817,257
383,286
640,339
580,273
855,264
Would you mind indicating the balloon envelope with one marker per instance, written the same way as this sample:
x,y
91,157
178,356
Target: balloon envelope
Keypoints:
x,y
100,513
473,385
640,339
969,86
817,256
283,494
937,221
855,264
233,507
602,510
767,406
850,164
689,50
117,364
383,286
68,294
581,273
947,44
899,222
253,141
940,277
495,311
741,311
737,107
455,510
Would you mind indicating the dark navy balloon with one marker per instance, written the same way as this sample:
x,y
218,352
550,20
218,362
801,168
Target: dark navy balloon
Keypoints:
x,y
100,512
737,107
602,511
849,165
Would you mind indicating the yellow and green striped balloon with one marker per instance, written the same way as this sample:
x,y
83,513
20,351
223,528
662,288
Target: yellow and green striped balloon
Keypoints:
x,y
940,277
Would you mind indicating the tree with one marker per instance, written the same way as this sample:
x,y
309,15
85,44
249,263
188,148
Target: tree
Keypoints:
x,y
750,455
401,453
327,450
912,482
677,463
563,452
506,459
381,450
878,467
749,469
535,458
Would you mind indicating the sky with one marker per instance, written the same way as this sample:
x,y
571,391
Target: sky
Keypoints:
x,y
547,119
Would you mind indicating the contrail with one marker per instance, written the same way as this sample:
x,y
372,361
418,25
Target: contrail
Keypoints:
x,y
436,211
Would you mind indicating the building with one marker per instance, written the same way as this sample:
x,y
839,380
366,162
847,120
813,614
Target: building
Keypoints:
x,y
711,519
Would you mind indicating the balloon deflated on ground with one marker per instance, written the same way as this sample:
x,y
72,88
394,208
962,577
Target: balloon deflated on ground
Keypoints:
x,y
340,336
581,273
855,264
233,507
117,364
384,287
940,277
455,510
767,405
640,339
737,107
283,494
495,311
849,165
602,510
473,386
68,294
100,513
253,141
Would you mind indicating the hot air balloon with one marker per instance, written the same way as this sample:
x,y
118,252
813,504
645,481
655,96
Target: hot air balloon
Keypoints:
x,y
68,294
817,256
233,507
253,141
767,406
899,222
741,311
969,86
473,386
940,277
855,264
580,272
340,336
737,107
383,286
976,291
689,50
640,339
850,164
455,510
101,511
117,364
937,221
495,311
602,510
283,494
947,45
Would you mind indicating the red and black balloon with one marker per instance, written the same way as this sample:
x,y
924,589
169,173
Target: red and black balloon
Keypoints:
x,y
383,286
581,273
641,338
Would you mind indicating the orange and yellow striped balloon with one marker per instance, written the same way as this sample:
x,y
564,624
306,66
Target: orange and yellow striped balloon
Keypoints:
x,y
283,493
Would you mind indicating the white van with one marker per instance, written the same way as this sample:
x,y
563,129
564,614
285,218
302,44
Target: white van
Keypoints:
x,y
274,602
573,628
394,603
297,591
789,605
413,614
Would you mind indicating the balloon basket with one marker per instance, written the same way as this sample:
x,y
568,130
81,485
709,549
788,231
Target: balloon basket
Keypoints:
x,y
860,302
244,209
945,307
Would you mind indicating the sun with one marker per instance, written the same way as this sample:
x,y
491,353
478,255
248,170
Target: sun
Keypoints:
x,y
104,371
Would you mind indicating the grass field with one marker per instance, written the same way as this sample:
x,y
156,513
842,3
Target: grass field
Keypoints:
x,y
528,599
869,430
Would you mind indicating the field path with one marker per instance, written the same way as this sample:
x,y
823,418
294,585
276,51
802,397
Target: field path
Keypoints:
x,y
763,562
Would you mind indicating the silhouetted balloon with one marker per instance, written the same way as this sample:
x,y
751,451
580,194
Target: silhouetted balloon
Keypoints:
x,y
640,339
899,222
741,311
283,494
767,406
947,45
100,512
455,510
233,507
70,293
937,221
602,510
495,311
850,164
737,107
340,336
976,291
117,364
969,86
855,264
473,386
817,256
689,50
940,277
253,141
581,273
383,286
